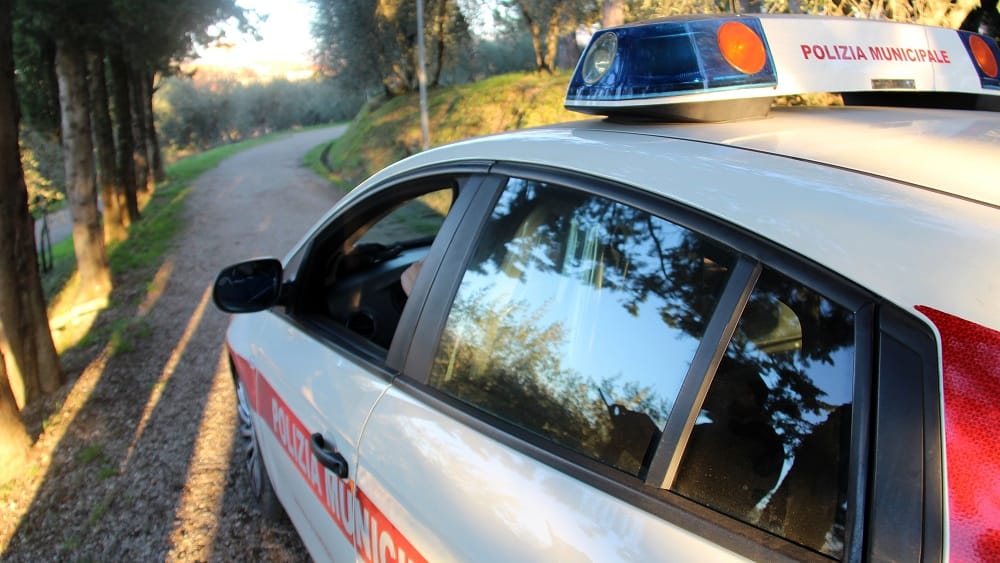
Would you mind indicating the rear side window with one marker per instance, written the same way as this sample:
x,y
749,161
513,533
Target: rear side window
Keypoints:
x,y
577,320
582,320
771,442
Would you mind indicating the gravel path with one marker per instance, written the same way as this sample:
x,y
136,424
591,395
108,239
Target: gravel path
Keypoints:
x,y
142,463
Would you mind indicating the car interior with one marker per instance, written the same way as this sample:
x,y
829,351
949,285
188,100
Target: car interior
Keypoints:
x,y
352,277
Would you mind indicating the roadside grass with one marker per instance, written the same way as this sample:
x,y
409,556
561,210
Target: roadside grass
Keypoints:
x,y
63,267
314,160
386,131
90,453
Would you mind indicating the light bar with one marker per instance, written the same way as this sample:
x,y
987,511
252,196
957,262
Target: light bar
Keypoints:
x,y
712,68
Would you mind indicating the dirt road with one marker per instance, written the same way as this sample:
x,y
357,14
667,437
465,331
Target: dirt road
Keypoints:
x,y
142,464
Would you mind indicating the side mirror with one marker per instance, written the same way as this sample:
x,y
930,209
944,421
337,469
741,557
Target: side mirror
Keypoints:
x,y
249,286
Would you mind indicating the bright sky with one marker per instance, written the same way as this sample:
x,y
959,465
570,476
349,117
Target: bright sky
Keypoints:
x,y
286,40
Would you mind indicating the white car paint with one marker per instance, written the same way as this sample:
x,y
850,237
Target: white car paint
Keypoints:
x,y
327,393
470,498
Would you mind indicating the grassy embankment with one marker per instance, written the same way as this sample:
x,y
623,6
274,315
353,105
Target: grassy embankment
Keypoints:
x,y
387,131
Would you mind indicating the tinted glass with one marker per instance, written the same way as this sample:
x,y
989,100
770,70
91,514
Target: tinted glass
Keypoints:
x,y
415,219
363,280
577,320
771,443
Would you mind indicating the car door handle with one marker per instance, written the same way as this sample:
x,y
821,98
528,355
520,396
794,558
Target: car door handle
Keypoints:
x,y
328,456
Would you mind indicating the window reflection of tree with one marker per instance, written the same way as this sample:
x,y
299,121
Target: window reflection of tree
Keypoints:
x,y
771,447
509,365
643,256
509,361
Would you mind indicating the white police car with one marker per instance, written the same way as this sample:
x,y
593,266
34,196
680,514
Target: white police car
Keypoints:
x,y
643,338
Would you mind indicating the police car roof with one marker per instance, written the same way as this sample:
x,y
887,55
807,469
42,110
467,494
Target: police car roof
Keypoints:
x,y
951,151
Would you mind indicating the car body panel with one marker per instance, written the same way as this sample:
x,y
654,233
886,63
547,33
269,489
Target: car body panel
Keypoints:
x,y
305,388
908,145
467,497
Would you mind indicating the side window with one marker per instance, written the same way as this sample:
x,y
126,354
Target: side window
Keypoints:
x,y
360,271
771,443
414,219
577,320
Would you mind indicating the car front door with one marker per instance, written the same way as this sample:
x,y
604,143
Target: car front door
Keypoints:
x,y
326,356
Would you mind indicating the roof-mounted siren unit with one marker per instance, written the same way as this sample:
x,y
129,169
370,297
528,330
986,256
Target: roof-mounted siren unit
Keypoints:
x,y
721,68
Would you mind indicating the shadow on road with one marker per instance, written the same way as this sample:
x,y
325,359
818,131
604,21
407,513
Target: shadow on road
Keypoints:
x,y
143,463
146,466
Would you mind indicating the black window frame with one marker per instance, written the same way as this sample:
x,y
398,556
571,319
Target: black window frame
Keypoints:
x,y
907,490
465,179
755,252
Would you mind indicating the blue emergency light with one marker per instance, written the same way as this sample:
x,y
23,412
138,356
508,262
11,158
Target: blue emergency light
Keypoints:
x,y
718,68
645,62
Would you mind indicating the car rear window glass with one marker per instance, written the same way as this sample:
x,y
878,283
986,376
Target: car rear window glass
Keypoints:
x,y
771,443
577,320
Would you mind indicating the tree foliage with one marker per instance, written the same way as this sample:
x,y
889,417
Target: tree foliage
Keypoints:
x,y
548,20
945,13
203,111
42,163
373,43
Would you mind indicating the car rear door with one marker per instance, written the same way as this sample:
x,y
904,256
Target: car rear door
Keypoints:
x,y
590,380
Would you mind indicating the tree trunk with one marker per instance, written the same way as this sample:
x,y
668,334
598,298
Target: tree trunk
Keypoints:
x,y
551,36
115,218
152,142
123,134
569,51
33,364
14,440
139,154
536,36
81,187
613,13
544,29
440,37
536,42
